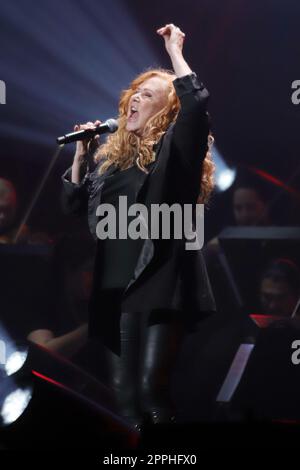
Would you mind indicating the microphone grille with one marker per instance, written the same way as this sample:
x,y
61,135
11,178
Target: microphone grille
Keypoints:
x,y
112,125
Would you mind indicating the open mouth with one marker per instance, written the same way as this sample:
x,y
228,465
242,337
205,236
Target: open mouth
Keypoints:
x,y
133,114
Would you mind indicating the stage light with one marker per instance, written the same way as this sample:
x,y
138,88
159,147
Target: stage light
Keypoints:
x,y
72,66
225,179
225,176
15,395
58,406
12,354
15,361
14,404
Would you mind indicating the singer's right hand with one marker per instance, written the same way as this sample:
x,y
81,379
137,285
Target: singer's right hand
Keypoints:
x,y
84,146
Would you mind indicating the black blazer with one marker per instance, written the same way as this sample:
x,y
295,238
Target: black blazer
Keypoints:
x,y
167,276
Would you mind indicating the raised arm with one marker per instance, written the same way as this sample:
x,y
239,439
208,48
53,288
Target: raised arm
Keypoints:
x,y
190,132
174,39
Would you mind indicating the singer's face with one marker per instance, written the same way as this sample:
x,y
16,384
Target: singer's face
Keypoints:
x,y
148,99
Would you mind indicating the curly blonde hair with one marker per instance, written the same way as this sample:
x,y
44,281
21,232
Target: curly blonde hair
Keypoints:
x,y
124,148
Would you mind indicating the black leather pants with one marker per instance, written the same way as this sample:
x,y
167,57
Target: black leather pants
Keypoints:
x,y
141,375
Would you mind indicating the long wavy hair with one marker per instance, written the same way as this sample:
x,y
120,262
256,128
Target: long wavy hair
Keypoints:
x,y
124,148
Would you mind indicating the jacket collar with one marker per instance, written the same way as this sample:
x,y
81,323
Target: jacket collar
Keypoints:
x,y
100,180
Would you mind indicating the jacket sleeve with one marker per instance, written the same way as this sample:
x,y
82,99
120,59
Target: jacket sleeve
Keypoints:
x,y
190,131
74,198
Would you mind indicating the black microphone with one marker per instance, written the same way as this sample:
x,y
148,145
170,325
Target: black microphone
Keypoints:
x,y
111,125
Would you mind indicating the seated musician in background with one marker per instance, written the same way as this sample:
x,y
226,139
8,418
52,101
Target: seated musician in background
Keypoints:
x,y
250,204
280,291
9,224
250,200
66,331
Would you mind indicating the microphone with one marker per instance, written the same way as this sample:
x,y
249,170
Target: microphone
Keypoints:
x,y
111,125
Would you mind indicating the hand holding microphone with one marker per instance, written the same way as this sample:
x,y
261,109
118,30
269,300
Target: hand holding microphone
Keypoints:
x,y
86,144
85,135
88,130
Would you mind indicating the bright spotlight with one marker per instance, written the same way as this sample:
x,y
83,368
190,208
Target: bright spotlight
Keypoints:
x,y
15,361
225,175
15,404
225,179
